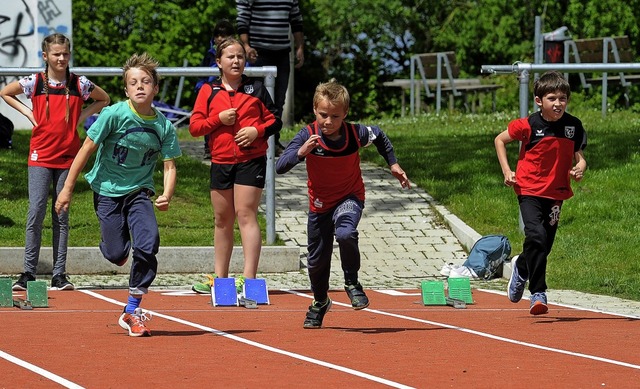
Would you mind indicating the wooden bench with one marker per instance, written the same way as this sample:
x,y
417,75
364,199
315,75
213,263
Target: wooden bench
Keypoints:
x,y
437,74
602,50
405,85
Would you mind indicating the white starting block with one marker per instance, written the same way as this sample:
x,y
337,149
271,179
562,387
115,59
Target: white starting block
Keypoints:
x,y
224,292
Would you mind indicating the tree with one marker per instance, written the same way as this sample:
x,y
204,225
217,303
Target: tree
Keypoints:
x,y
360,43
107,33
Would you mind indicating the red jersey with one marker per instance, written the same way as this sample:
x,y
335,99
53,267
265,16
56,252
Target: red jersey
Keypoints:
x,y
54,141
547,154
334,174
333,167
254,109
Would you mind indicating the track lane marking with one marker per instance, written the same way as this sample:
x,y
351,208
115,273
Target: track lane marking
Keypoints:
x,y
40,371
482,334
261,345
574,307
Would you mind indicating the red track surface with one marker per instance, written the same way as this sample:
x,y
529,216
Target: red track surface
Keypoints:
x,y
398,342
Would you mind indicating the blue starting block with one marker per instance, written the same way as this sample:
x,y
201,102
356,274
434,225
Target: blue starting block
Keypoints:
x,y
223,292
256,289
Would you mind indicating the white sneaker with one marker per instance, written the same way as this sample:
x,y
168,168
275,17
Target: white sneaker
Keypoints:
x,y
446,269
462,271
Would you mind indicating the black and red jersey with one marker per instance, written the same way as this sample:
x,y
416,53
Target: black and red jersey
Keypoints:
x,y
333,167
334,173
547,154
254,108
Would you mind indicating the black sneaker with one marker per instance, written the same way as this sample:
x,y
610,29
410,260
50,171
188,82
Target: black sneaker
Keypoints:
x,y
21,284
358,299
316,313
60,282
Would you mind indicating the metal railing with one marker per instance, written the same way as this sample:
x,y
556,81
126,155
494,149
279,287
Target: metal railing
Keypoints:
x,y
524,71
267,72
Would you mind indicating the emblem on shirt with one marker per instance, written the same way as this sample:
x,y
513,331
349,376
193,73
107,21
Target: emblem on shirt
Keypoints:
x,y
554,216
569,131
248,89
539,132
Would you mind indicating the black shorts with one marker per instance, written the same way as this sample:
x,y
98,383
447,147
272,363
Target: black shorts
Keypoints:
x,y
250,173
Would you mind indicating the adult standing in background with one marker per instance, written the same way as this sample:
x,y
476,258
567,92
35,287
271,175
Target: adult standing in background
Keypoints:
x,y
263,27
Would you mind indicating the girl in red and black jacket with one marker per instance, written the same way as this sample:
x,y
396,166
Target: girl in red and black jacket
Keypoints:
x,y
238,115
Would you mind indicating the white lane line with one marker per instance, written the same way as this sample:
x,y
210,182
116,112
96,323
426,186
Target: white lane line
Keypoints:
x,y
38,370
484,334
214,331
571,306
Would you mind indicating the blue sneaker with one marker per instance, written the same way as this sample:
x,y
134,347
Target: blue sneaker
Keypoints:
x,y
538,304
515,288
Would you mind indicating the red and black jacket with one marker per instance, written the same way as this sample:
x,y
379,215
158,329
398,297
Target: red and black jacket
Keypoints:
x,y
254,109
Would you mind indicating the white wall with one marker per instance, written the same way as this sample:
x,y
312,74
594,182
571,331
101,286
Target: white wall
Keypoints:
x,y
23,26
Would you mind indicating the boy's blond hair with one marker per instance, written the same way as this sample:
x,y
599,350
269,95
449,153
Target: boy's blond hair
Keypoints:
x,y
550,82
144,62
333,92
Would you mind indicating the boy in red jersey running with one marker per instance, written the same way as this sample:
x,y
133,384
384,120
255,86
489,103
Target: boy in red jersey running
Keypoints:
x,y
552,151
336,192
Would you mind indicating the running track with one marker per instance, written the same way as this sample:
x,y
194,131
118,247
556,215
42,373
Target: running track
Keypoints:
x,y
397,342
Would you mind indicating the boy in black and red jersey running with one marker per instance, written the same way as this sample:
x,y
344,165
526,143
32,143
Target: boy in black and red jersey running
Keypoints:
x,y
552,151
336,192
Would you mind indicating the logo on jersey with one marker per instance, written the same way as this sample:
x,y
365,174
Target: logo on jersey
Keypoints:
x,y
554,216
569,131
248,89
539,132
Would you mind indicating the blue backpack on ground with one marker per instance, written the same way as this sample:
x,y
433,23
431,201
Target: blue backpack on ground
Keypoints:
x,y
488,254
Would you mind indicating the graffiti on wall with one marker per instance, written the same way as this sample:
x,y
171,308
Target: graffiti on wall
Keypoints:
x,y
15,28
23,26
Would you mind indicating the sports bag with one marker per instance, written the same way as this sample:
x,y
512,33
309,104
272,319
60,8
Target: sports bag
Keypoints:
x,y
488,254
